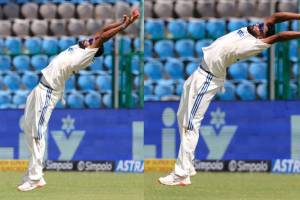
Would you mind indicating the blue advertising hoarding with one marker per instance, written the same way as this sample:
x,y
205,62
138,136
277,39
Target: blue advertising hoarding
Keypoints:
x,y
230,130
78,135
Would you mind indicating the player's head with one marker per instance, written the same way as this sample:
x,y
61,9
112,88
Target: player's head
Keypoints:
x,y
258,30
85,43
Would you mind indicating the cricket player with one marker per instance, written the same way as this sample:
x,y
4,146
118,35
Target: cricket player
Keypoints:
x,y
200,88
48,92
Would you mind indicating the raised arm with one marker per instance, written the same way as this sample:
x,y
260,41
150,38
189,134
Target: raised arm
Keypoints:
x,y
281,17
282,36
111,30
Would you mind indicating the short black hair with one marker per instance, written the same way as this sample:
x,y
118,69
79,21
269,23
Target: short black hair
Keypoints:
x,y
271,30
98,53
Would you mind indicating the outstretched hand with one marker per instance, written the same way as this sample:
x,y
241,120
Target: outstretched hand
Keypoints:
x,y
135,14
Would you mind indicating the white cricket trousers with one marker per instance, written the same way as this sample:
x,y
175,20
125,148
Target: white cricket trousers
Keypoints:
x,y
39,105
198,91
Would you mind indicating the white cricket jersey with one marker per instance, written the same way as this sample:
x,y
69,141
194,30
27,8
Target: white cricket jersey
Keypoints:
x,y
230,48
67,63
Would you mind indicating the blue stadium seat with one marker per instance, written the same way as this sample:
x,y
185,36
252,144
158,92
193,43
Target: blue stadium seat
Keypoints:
x,y
39,62
174,68
104,83
239,71
108,62
215,28
108,46
30,80
77,1
13,45
148,89
107,100
200,44
147,47
164,48
283,26
191,67
75,100
246,90
258,70
153,69
235,24
86,82
293,50
295,25
163,89
154,28
50,46
1,83
135,64
177,28
185,48
59,105
229,93
2,46
66,42
261,91
19,99
5,62
295,70
70,83
33,45
293,91
196,28
253,21
5,99
151,98
22,1
21,62
125,45
93,99
12,81
179,88
97,64
3,2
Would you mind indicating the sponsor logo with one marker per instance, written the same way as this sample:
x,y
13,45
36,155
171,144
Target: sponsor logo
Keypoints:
x,y
240,33
58,165
13,165
248,166
132,166
286,166
209,165
159,165
95,166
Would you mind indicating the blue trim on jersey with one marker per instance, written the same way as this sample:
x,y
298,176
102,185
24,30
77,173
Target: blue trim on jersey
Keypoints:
x,y
198,100
44,109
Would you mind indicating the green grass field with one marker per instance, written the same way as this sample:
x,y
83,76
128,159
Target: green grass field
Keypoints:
x,y
226,186
76,186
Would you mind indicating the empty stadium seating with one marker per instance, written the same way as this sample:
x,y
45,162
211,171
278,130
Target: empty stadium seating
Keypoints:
x,y
32,33
174,42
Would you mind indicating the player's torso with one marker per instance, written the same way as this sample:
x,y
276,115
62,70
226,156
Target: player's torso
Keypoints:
x,y
67,63
229,49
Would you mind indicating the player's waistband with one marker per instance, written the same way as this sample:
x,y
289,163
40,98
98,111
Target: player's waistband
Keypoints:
x,y
44,82
204,67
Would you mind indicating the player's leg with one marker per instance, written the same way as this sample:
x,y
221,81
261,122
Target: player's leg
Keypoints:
x,y
184,164
196,104
39,106
199,96
190,88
